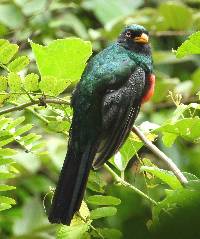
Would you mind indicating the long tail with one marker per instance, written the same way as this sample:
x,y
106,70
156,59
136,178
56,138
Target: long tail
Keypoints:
x,y
71,184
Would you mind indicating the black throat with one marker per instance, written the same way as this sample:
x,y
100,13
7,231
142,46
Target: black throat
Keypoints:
x,y
143,49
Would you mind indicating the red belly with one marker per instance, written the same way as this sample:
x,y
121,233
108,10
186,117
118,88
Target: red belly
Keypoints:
x,y
150,91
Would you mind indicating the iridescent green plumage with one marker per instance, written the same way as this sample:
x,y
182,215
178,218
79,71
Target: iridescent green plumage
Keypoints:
x,y
106,102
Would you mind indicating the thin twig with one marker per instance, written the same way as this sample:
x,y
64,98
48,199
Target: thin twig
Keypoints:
x,y
90,225
169,33
34,102
128,185
168,105
162,156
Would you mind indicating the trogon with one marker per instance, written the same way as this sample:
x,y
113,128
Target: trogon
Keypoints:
x,y
105,103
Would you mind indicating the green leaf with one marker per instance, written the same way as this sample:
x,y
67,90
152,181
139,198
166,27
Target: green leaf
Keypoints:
x,y
4,175
190,46
168,139
95,182
15,123
4,121
31,82
193,184
72,21
163,85
59,126
6,141
38,146
103,200
72,232
23,129
33,7
196,80
177,16
4,161
36,219
7,51
3,98
30,138
18,64
190,176
103,212
188,128
7,200
84,210
177,215
112,10
128,150
14,82
70,56
109,233
164,175
11,16
52,85
6,187
4,206
7,152
3,83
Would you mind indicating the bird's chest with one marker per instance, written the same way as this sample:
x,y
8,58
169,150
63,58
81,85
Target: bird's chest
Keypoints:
x,y
149,87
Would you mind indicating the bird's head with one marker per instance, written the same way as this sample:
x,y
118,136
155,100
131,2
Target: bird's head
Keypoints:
x,y
135,38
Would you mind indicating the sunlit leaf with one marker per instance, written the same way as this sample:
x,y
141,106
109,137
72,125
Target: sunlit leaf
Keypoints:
x,y
62,59
103,212
164,175
103,200
3,83
14,82
72,232
57,85
7,200
177,16
11,15
188,128
190,46
109,233
6,187
18,64
7,50
31,82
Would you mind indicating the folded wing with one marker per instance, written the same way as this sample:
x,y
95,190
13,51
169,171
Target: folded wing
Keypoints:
x,y
119,110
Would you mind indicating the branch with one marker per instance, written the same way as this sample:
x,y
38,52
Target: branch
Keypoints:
x,y
168,105
34,102
169,33
128,185
161,155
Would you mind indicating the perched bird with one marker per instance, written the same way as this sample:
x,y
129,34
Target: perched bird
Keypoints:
x,y
105,104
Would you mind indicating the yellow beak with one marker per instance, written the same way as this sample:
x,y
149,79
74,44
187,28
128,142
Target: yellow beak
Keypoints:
x,y
142,39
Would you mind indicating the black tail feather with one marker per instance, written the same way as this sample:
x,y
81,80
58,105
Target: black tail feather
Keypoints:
x,y
71,185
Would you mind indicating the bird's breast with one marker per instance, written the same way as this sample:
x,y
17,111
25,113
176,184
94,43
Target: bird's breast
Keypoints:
x,y
150,90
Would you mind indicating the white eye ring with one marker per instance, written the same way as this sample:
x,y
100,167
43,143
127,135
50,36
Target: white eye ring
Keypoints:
x,y
128,34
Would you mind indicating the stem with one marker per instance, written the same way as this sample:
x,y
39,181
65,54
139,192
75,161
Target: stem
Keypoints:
x,y
168,105
128,185
34,102
4,67
169,33
38,115
91,226
162,156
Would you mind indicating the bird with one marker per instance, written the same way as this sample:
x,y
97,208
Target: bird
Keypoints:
x,y
105,102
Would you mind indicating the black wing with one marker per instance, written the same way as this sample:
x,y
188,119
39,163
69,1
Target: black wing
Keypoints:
x,y
119,111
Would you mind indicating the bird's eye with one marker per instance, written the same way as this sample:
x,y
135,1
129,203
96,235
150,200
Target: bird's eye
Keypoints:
x,y
128,34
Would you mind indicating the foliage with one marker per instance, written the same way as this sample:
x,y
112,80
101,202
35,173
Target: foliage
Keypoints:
x,y
37,78
191,46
